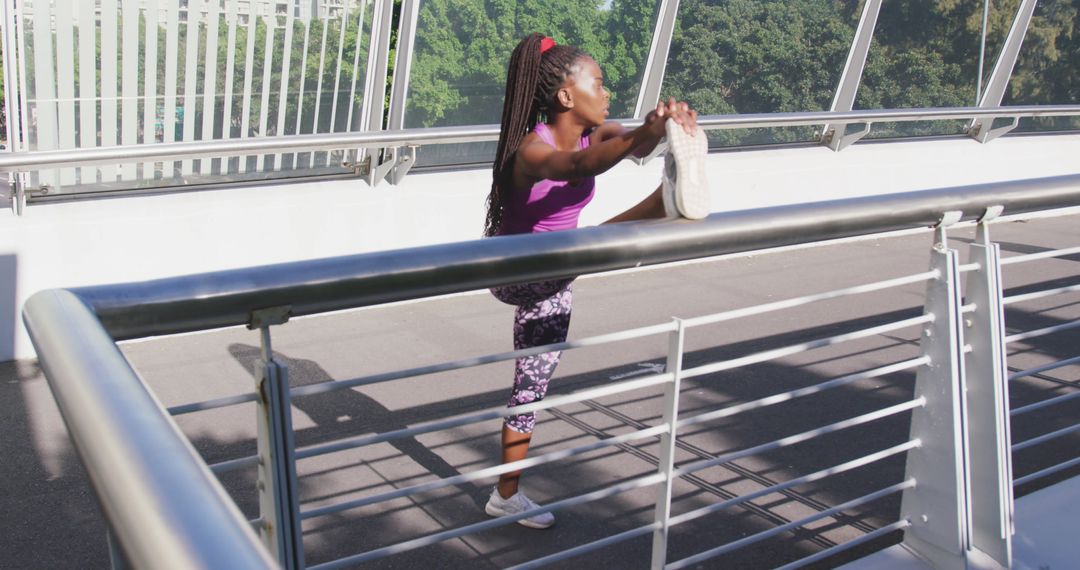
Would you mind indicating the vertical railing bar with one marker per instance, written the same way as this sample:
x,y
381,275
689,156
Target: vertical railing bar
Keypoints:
x,y
283,93
44,83
318,85
337,70
172,49
108,59
65,83
666,456
12,91
268,65
129,130
356,62
249,64
191,77
150,99
24,106
231,17
210,72
303,79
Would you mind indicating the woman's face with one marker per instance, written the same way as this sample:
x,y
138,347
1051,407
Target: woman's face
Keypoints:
x,y
585,86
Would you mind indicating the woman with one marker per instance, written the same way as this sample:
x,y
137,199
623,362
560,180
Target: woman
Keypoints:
x,y
553,142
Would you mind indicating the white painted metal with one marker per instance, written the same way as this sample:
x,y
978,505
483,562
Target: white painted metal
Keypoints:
x,y
300,94
268,70
191,77
231,17
665,461
109,97
65,83
283,93
835,136
210,72
404,43
249,71
318,86
172,49
337,69
10,13
981,129
44,97
129,78
939,509
988,433
652,78
150,88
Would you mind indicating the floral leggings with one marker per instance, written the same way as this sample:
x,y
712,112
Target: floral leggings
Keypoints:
x,y
542,317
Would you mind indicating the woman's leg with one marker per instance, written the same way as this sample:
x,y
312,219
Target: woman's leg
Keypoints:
x,y
652,207
542,317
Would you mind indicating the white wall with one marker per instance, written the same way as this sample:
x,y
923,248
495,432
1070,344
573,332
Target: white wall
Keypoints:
x,y
138,238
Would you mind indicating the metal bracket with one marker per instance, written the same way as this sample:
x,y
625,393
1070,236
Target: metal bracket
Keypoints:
x,y
261,318
381,167
980,129
949,218
403,164
359,167
991,213
17,180
837,144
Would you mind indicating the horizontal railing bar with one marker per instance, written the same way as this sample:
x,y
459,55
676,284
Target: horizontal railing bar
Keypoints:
x,y
493,471
775,353
799,301
234,464
1045,437
227,298
159,498
213,404
482,360
968,267
493,523
1045,403
1048,471
898,525
800,392
828,472
164,152
798,438
489,414
1039,255
586,548
712,553
1040,294
1042,332
1044,368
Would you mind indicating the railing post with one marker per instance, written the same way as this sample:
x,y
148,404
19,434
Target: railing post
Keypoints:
x,y
666,457
989,440
937,506
279,498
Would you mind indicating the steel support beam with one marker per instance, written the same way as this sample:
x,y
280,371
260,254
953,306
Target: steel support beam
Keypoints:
x,y
981,129
834,135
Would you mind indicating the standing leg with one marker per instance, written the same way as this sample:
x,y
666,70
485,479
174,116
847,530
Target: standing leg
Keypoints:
x,y
652,207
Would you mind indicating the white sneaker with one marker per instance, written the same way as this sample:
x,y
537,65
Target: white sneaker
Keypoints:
x,y
686,192
518,503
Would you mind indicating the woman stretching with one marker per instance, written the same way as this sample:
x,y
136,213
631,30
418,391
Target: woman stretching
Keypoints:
x,y
553,142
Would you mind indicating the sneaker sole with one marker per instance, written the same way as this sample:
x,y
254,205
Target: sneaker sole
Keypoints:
x,y
493,512
691,192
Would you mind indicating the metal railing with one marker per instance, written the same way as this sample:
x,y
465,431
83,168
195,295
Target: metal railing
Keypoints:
x,y
956,492
19,164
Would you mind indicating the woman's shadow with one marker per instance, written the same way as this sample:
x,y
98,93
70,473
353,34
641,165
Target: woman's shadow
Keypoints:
x,y
348,412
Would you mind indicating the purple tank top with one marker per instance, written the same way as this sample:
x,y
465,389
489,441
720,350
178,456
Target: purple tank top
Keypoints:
x,y
550,205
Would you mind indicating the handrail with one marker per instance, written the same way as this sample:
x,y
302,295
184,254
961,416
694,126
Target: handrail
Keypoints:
x,y
227,298
162,502
24,161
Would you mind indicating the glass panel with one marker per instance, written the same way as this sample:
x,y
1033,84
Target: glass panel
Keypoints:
x,y
924,54
759,56
462,47
1047,70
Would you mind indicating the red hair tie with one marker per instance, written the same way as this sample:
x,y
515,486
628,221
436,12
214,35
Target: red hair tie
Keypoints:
x,y
546,44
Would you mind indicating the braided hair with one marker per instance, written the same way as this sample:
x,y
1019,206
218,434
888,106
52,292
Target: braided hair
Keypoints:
x,y
532,79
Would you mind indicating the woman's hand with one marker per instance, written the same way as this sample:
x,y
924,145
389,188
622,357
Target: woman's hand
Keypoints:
x,y
680,112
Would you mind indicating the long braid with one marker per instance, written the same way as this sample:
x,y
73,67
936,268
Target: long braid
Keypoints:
x,y
532,79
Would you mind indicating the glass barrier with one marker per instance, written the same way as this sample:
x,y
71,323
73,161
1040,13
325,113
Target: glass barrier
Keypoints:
x,y
759,56
1047,70
124,72
458,73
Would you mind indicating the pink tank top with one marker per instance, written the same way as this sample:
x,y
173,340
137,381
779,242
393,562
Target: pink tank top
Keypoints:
x,y
550,205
